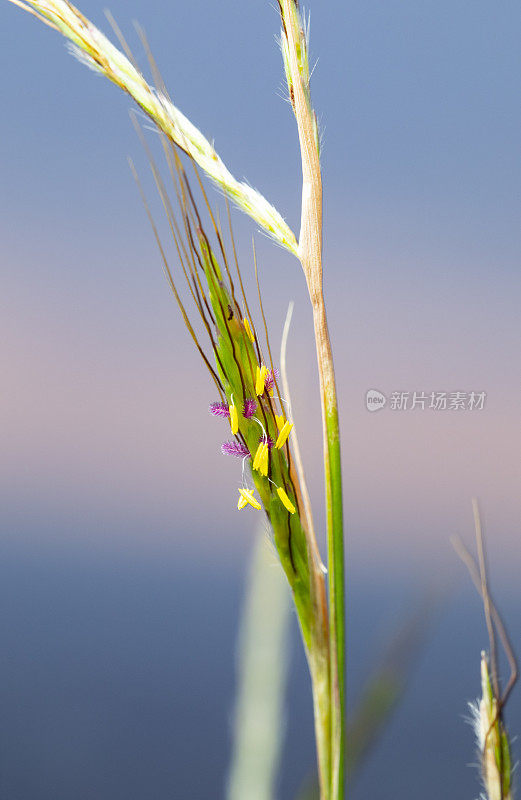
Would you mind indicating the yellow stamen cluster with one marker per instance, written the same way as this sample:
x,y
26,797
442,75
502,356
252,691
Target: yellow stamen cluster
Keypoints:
x,y
261,460
246,498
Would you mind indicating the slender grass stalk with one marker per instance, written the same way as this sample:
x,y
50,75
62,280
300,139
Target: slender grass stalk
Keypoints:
x,y
383,690
319,658
296,63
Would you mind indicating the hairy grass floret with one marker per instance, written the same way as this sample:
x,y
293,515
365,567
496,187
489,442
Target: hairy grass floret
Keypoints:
x,y
492,740
95,50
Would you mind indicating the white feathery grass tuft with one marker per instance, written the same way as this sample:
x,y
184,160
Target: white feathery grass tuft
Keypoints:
x,y
83,58
474,720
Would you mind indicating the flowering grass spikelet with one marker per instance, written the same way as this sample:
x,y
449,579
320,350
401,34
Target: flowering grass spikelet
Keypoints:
x,y
239,372
238,369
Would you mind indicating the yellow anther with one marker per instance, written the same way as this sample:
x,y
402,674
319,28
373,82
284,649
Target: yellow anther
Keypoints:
x,y
279,420
234,419
283,435
260,461
247,328
246,497
256,457
260,379
263,463
286,502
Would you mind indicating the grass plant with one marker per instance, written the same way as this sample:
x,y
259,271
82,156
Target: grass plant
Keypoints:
x,y
251,391
241,374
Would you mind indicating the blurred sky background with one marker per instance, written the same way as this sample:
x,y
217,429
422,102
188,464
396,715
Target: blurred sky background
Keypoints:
x,y
123,554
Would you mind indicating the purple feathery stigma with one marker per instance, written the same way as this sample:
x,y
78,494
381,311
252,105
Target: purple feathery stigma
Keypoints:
x,y
219,410
269,383
237,449
250,406
267,440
